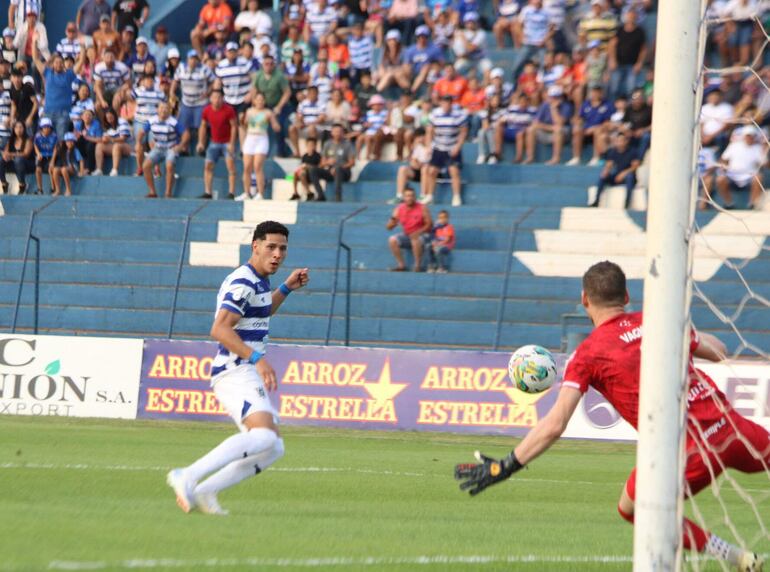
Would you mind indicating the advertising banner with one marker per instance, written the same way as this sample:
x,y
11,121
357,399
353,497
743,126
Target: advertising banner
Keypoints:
x,y
360,388
69,376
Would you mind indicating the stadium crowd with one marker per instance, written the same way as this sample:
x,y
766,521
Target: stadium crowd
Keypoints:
x,y
333,81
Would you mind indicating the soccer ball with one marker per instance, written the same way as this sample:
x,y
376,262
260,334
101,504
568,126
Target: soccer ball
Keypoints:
x,y
532,369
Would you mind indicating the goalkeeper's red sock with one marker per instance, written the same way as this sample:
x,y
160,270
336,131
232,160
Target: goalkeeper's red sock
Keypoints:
x,y
695,538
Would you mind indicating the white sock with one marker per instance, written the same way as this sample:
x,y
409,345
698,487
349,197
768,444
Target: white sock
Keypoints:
x,y
231,449
241,469
723,550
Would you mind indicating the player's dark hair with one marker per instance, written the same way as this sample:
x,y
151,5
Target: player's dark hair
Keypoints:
x,y
269,227
605,284
443,211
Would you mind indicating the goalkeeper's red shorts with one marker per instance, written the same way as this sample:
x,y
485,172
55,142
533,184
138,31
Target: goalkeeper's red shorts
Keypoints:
x,y
744,447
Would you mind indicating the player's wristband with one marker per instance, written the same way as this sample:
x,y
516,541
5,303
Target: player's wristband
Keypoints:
x,y
284,289
255,357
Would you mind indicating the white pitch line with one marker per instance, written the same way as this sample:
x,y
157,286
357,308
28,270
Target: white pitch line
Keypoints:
x,y
340,562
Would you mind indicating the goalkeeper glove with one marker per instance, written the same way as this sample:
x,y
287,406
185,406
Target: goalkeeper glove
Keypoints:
x,y
476,477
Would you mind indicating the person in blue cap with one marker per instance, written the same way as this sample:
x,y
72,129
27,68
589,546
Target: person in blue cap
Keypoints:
x,y
45,143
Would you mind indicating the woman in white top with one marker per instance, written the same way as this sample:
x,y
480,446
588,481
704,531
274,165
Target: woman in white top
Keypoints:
x,y
257,144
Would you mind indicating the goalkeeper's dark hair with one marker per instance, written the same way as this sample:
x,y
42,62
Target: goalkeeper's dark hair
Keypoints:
x,y
605,284
269,227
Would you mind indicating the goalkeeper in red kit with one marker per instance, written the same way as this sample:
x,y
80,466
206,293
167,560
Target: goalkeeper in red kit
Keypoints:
x,y
609,361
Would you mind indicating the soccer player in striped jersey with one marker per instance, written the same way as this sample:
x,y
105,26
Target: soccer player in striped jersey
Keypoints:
x,y
609,360
194,80
147,98
241,376
164,146
237,76
447,131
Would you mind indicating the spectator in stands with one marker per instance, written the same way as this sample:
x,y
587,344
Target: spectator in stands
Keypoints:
x,y
742,161
740,27
447,132
58,88
221,121
365,90
321,77
89,136
292,43
106,38
399,125
374,124
24,104
451,84
337,110
256,146
619,169
89,15
253,21
361,46
337,160
32,33
112,82
138,58
164,147
550,126
17,155
716,118
311,158
403,16
512,127
391,70
44,144
132,13
416,224
65,163
237,76
338,54
9,53
442,243
639,119
534,31
307,119
126,43
627,53
173,61
598,24
5,118
489,117
272,83
194,81
160,47
147,98
320,20
215,13
591,123
414,170
115,142
507,11
469,49
70,45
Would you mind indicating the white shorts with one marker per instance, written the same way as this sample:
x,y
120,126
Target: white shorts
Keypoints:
x,y
256,145
242,392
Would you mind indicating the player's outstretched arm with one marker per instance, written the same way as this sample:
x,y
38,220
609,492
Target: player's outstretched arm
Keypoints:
x,y
297,279
710,348
477,477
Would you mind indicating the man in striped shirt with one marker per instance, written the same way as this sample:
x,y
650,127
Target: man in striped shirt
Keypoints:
x,y
241,375
309,115
321,19
112,81
447,131
194,80
361,48
147,99
70,44
164,146
237,75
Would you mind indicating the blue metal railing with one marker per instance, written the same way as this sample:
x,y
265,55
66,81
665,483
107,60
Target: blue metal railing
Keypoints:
x,y
340,246
185,240
508,263
31,237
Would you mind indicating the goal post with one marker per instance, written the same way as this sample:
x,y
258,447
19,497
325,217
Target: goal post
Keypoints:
x,y
667,286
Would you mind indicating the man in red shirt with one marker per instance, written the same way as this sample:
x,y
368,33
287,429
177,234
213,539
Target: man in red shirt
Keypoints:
x,y
609,361
451,83
416,223
222,121
213,14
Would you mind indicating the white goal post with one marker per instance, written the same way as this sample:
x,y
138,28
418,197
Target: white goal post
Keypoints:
x,y
667,286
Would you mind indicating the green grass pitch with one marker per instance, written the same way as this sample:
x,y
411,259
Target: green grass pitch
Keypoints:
x,y
91,495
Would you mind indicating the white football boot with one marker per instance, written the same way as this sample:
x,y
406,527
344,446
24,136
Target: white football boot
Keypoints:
x,y
177,480
207,503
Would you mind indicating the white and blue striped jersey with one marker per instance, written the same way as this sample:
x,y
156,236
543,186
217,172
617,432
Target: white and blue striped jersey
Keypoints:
x,y
122,130
236,79
81,106
165,134
147,102
5,114
361,52
375,120
310,111
535,25
320,21
194,84
21,10
112,78
67,47
324,83
247,294
447,126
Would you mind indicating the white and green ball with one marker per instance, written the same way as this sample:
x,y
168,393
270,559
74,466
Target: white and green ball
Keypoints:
x,y
532,369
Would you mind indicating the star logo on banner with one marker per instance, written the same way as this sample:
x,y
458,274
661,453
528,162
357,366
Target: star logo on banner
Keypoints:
x,y
384,390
